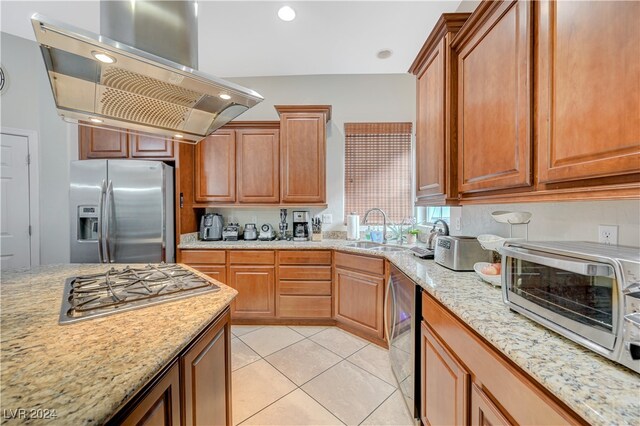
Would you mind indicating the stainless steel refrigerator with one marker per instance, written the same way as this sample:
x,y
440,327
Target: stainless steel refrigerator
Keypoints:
x,y
121,211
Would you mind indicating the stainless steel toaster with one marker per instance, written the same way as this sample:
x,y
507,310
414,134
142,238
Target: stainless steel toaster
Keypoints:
x,y
459,253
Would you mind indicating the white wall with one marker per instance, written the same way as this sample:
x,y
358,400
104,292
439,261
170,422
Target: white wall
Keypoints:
x,y
28,104
354,98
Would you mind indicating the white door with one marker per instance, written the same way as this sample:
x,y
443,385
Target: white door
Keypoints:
x,y
15,241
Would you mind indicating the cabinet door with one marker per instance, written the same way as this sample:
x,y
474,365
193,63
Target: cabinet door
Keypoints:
x,y
143,146
206,377
303,152
161,405
444,384
102,143
258,166
483,411
430,126
256,291
215,166
358,301
588,69
494,101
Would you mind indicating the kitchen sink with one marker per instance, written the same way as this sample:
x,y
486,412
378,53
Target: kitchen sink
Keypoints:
x,y
386,248
363,244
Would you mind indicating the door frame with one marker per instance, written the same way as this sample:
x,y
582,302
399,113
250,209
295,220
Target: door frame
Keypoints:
x,y
34,188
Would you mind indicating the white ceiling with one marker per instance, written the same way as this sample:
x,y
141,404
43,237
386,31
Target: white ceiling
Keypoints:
x,y
246,38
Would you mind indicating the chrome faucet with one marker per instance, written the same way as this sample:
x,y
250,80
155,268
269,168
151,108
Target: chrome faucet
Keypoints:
x,y
384,222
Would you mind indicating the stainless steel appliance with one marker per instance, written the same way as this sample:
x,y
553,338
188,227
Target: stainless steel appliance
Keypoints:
x,y
301,230
250,232
120,290
211,227
140,73
121,211
401,318
266,233
587,292
459,253
231,232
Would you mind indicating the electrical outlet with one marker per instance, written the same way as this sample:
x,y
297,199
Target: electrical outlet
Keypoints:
x,y
327,218
457,224
608,234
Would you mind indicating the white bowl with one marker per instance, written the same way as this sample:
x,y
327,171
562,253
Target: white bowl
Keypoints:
x,y
495,280
494,242
511,217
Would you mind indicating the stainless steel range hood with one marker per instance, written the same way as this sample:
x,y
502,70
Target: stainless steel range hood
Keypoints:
x,y
136,89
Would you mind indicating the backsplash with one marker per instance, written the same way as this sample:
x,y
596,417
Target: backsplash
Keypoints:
x,y
567,221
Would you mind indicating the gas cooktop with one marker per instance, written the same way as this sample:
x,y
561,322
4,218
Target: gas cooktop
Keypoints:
x,y
120,290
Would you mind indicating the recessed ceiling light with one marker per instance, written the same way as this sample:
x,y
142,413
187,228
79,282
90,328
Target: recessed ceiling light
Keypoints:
x,y
384,54
178,136
95,120
286,13
103,57
225,96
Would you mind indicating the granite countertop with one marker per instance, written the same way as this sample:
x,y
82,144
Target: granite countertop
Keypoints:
x,y
600,391
86,371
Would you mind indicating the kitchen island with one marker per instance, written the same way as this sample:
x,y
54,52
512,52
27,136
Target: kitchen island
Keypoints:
x,y
85,372
597,390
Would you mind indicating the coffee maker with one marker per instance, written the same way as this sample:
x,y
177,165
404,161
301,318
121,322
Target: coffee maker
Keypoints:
x,y
301,230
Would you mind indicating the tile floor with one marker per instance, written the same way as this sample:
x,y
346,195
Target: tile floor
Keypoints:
x,y
304,375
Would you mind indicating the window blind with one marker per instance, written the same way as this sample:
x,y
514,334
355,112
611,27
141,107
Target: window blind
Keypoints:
x,y
378,170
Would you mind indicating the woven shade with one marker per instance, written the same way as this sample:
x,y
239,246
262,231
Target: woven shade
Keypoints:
x,y
378,170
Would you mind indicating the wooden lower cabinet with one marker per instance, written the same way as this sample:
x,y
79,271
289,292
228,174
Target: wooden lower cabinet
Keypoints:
x,y
206,377
256,291
358,301
217,272
444,383
499,393
161,405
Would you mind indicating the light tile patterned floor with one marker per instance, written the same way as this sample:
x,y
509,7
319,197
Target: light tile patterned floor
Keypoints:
x,y
311,376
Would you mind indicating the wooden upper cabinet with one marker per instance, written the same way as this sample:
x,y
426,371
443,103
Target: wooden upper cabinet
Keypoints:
x,y
588,91
444,383
303,153
143,146
96,143
258,165
494,97
435,68
215,168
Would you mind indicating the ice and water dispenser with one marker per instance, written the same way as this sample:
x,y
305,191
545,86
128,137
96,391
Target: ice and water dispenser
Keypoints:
x,y
87,223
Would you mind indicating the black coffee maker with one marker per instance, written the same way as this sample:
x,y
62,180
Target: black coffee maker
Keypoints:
x,y
301,231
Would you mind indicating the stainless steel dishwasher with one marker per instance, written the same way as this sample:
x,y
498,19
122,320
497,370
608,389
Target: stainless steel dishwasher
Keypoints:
x,y
401,316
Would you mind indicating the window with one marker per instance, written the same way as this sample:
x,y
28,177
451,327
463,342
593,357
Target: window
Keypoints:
x,y
378,169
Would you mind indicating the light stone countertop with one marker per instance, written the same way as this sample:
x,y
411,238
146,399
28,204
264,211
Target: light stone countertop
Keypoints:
x,y
86,371
602,392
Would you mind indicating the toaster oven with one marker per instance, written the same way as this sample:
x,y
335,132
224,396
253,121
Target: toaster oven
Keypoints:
x,y
587,292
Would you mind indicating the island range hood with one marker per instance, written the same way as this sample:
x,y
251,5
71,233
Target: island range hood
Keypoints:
x,y
140,74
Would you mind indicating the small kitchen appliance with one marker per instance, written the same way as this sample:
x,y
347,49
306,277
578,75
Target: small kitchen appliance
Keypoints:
x,y
266,233
459,253
250,232
283,225
585,291
231,232
301,230
211,227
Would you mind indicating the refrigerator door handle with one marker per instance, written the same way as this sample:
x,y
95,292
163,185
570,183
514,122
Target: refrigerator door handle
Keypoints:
x,y
103,191
107,227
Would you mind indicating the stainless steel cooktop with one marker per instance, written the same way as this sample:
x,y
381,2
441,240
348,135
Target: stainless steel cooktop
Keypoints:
x,y
120,290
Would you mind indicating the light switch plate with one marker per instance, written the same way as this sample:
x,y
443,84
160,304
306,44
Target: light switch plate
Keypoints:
x,y
327,218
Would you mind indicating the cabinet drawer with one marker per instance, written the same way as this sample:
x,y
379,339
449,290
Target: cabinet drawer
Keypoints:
x,y
252,257
304,307
305,272
309,288
369,265
216,272
304,257
203,256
